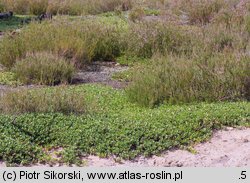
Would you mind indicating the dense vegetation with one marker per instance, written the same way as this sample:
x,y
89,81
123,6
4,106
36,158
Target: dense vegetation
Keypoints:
x,y
174,80
189,74
42,101
116,128
75,7
44,68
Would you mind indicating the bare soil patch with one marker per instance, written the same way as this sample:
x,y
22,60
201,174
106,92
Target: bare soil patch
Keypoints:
x,y
100,72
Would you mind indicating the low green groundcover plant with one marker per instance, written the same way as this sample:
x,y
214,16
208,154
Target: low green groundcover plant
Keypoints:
x,y
117,128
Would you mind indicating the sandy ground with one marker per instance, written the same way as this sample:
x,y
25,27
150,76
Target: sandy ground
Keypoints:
x,y
227,148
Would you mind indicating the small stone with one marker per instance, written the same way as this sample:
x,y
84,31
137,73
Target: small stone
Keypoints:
x,y
229,128
245,140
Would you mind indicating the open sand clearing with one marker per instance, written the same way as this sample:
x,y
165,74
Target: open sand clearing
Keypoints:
x,y
227,148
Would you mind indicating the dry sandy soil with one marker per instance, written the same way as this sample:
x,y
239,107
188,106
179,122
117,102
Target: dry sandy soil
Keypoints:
x,y
227,148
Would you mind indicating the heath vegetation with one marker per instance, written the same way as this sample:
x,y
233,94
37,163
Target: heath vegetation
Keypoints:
x,y
189,73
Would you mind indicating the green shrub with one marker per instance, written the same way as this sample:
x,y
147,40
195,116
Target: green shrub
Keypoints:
x,y
87,39
58,100
181,80
44,68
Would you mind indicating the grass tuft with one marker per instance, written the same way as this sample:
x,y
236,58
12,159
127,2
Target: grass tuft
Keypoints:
x,y
180,80
42,101
44,69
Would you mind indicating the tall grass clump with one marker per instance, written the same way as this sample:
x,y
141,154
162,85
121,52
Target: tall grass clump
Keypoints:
x,y
58,100
100,6
37,7
247,24
84,7
100,38
218,38
2,6
80,40
180,80
199,12
66,7
147,38
11,50
17,6
44,68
